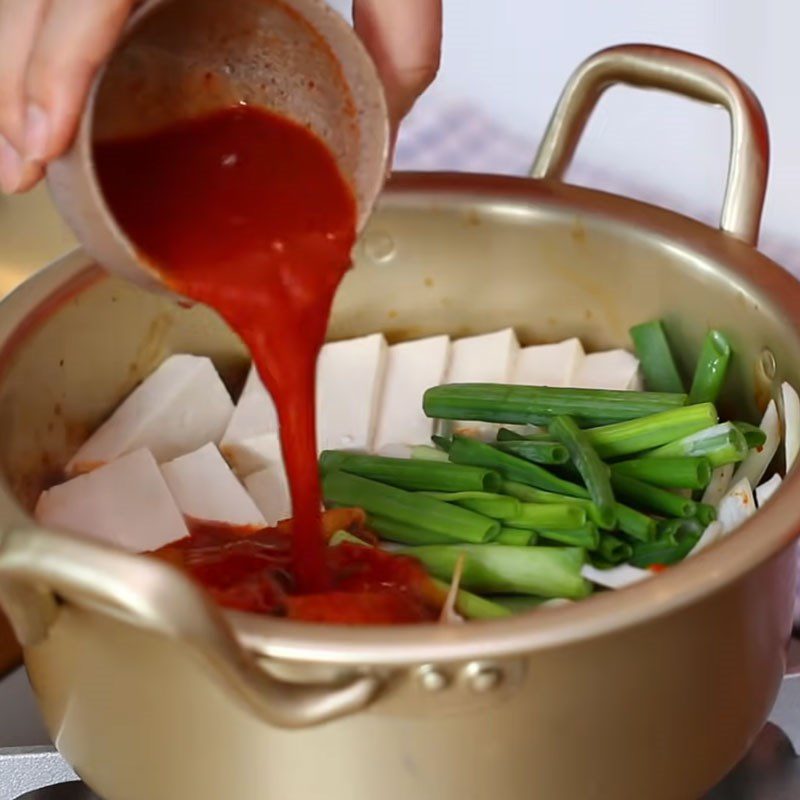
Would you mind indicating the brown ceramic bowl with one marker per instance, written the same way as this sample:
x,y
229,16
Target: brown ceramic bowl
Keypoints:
x,y
183,58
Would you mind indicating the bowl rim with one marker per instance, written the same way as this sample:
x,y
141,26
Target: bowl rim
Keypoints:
x,y
770,532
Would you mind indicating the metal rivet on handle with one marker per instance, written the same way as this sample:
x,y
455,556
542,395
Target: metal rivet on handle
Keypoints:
x,y
432,679
483,678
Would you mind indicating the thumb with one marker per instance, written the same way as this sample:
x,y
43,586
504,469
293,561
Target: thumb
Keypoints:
x,y
404,40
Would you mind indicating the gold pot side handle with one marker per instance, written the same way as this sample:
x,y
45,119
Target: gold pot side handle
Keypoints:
x,y
650,67
38,568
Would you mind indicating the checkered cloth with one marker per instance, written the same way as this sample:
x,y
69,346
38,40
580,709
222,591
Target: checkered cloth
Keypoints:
x,y
457,136
454,135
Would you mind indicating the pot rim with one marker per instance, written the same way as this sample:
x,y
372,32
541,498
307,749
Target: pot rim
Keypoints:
x,y
769,532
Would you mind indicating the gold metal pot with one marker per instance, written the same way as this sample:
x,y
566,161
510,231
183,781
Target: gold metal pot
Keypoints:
x,y
652,692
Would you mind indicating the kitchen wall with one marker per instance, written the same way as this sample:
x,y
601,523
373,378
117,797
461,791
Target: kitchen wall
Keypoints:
x,y
512,57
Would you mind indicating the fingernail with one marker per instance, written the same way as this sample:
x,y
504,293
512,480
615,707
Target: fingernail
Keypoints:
x,y
10,167
37,133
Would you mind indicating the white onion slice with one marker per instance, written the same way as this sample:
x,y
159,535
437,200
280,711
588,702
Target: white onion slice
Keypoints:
x,y
548,364
411,368
767,489
791,424
718,485
616,577
737,506
713,533
637,382
556,602
757,461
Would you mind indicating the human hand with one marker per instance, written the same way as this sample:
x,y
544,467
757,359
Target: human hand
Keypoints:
x,y
404,38
50,51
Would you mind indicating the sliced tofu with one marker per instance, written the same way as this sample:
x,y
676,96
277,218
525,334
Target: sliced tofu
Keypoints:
x,y
488,358
180,407
395,450
126,503
256,453
549,364
411,369
349,384
254,415
719,484
205,489
270,492
612,369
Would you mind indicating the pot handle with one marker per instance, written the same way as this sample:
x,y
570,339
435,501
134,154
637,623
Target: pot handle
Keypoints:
x,y
39,568
651,67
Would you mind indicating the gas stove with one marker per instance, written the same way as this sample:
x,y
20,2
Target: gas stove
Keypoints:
x,y
35,771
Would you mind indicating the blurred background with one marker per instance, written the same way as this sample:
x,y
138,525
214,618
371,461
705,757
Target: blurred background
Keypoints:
x,y
505,63
503,67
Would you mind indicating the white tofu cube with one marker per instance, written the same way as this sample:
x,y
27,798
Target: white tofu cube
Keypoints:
x,y
411,369
549,364
349,384
180,407
251,441
612,369
270,492
126,503
488,358
205,489
256,453
254,415
395,450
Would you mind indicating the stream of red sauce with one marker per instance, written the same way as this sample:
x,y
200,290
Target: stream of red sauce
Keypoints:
x,y
247,212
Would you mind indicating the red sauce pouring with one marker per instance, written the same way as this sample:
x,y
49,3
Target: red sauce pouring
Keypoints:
x,y
247,212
